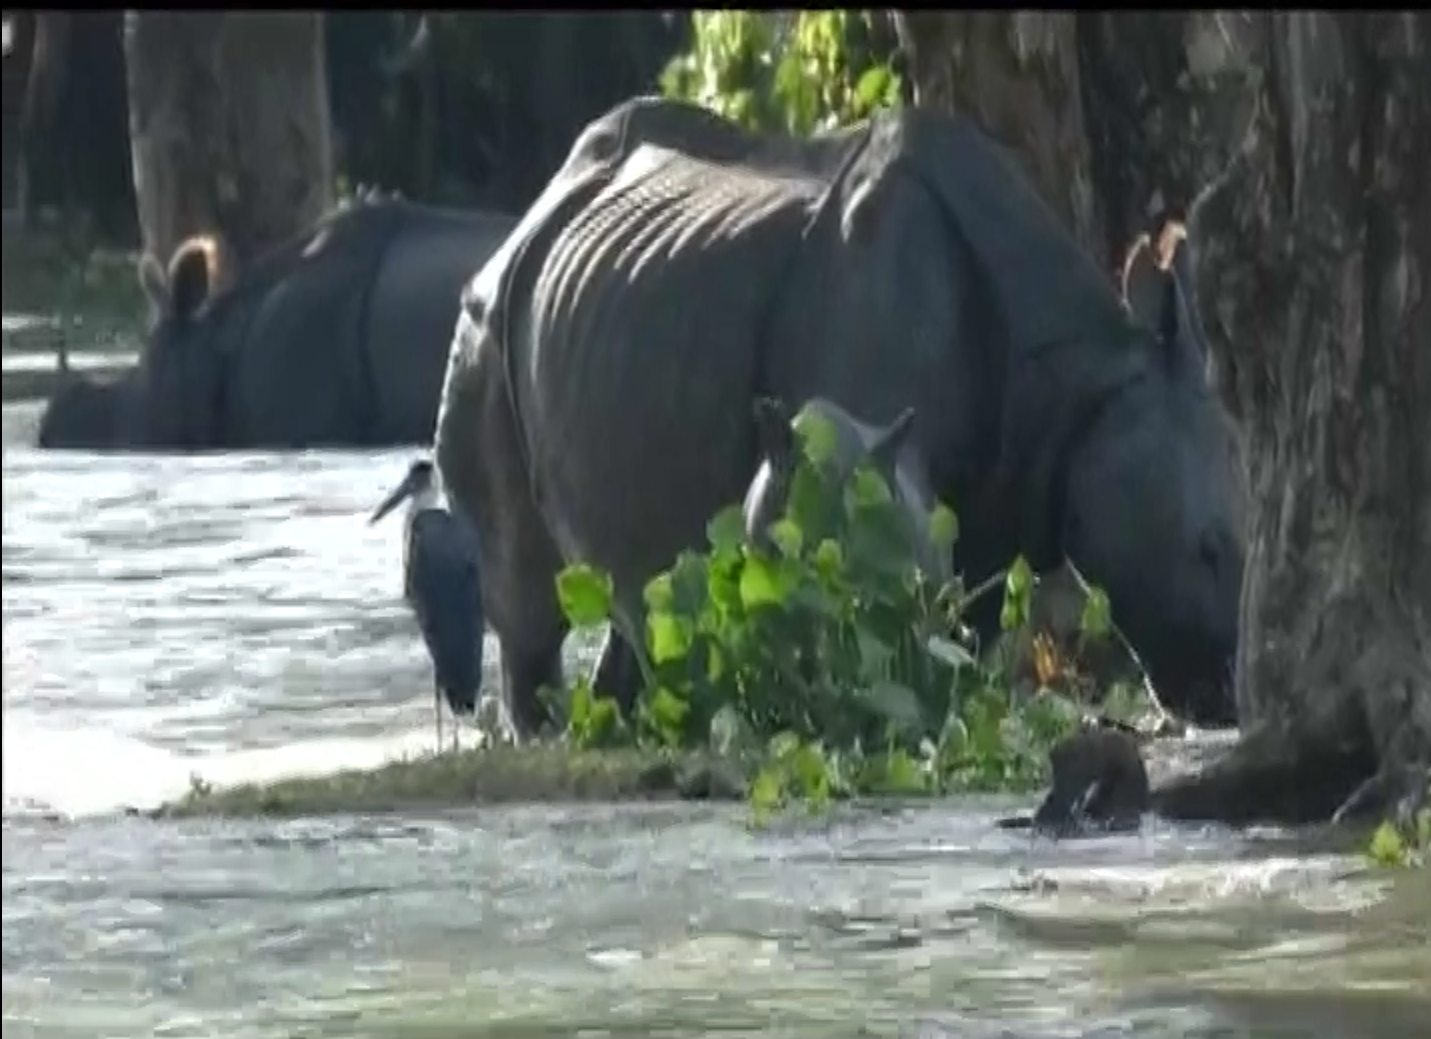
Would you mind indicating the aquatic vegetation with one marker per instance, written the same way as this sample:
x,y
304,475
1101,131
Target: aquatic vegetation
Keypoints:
x,y
827,661
1403,846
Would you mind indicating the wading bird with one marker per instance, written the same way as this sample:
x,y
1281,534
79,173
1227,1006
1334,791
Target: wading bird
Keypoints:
x,y
442,583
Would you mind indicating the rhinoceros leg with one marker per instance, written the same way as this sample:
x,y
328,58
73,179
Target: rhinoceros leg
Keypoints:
x,y
483,472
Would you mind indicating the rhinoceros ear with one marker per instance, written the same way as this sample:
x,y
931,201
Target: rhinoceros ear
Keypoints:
x,y
1144,284
884,451
154,283
773,432
1157,288
191,277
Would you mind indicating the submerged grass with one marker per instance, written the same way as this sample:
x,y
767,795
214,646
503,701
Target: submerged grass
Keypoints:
x,y
547,772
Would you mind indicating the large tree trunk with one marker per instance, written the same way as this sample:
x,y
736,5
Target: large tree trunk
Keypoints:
x,y
1297,144
1318,255
229,129
49,60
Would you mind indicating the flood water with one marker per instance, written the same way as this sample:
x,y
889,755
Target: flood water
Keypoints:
x,y
235,617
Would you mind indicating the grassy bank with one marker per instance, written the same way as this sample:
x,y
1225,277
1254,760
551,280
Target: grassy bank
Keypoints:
x,y
498,775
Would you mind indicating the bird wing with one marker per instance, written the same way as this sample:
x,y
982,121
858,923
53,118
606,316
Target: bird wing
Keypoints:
x,y
445,588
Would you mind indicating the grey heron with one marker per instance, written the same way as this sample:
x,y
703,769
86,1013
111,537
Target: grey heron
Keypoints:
x,y
442,583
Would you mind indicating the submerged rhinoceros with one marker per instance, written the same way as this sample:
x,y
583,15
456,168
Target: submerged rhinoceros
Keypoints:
x,y
677,268
887,448
338,337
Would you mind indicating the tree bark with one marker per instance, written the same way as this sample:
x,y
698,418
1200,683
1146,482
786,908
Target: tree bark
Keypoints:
x,y
1296,145
1318,254
49,60
229,126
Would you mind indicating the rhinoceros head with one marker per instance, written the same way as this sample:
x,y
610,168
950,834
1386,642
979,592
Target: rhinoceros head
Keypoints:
x,y
1153,509
887,448
181,366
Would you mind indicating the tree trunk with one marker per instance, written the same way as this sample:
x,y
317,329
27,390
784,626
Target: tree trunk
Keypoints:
x,y
229,126
1318,253
1297,146
1016,74
49,60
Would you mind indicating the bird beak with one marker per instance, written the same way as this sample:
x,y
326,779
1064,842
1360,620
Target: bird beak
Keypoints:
x,y
399,494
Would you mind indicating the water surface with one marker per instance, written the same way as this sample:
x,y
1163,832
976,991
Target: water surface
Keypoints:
x,y
234,616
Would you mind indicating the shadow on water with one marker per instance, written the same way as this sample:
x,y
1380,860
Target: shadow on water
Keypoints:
x,y
236,616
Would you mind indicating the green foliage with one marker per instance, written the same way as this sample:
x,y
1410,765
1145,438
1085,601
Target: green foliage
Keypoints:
x,y
799,71
1399,848
827,659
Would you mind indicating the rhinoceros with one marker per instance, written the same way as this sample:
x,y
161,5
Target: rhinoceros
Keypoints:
x,y
677,268
337,337
887,448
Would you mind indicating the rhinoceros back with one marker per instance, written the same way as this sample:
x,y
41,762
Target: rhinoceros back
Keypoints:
x,y
636,349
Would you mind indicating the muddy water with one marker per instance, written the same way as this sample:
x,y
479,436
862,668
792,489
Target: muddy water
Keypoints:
x,y
235,617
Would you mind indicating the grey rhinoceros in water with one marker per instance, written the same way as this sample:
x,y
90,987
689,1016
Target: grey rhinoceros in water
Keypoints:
x,y
338,337
677,268
887,448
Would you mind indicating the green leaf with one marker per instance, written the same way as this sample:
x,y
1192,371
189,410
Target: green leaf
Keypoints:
x,y
873,87
665,714
658,593
829,558
767,790
1387,848
760,584
1018,590
787,536
585,595
593,722
943,527
668,637
1096,620
818,434
726,530
811,774
689,581
869,487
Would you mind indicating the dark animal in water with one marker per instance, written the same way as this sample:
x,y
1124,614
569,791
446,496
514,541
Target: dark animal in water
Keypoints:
x,y
339,337
443,585
1099,784
887,448
677,268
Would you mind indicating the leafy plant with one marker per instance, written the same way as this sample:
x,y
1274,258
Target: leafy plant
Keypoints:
x,y
798,71
828,657
1401,847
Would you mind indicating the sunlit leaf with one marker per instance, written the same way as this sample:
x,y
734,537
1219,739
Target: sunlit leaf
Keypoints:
x,y
819,436
584,594
760,584
668,637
